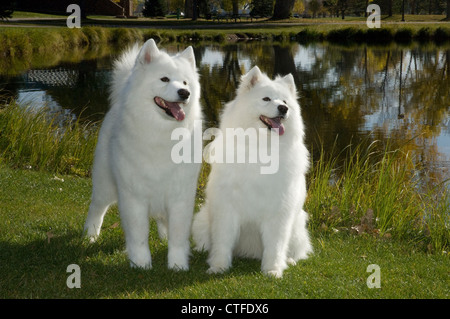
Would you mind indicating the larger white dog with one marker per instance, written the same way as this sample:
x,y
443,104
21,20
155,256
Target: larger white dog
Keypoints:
x,y
247,213
152,94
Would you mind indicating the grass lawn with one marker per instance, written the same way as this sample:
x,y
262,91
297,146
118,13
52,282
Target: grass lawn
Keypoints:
x,y
36,15
42,216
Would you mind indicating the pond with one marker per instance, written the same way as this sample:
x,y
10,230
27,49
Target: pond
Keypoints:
x,y
397,95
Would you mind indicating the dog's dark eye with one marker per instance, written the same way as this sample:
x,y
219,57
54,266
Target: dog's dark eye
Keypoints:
x,y
184,82
165,79
267,99
284,102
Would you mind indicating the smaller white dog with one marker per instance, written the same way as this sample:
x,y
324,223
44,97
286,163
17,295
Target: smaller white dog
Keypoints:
x,y
249,214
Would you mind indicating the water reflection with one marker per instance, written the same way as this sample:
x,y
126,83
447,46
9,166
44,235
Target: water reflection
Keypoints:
x,y
398,95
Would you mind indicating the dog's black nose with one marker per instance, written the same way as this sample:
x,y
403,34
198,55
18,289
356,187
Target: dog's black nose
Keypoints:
x,y
283,109
183,93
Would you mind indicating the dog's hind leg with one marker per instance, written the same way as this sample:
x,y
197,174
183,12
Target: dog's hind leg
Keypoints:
x,y
94,221
299,245
225,230
103,195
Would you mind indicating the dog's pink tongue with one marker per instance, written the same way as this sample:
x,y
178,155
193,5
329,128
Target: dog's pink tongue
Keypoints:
x,y
276,123
176,110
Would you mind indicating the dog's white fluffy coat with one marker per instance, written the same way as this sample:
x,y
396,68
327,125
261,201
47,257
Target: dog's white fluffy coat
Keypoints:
x,y
249,214
133,164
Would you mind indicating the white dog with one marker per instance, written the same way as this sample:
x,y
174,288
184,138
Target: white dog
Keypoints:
x,y
249,214
152,94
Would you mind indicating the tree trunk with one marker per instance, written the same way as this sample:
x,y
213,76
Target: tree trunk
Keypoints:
x,y
188,9
343,6
195,10
283,9
448,9
403,10
235,7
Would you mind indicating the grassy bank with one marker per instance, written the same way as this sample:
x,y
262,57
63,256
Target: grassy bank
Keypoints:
x,y
23,48
30,139
16,42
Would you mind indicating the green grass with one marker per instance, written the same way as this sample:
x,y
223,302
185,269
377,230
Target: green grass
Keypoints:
x,y
42,218
25,48
376,191
29,138
366,210
27,15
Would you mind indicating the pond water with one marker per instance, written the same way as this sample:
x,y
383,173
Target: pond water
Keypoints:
x,y
396,95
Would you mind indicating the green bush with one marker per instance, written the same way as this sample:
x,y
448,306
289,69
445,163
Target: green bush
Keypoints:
x,y
403,35
423,35
441,35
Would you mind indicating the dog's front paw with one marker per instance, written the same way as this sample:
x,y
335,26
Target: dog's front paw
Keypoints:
x,y
142,260
92,239
141,264
291,261
177,267
178,259
216,270
90,234
274,273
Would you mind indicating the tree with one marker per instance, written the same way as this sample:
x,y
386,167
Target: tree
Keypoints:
x,y
314,6
283,9
448,12
174,5
332,7
262,8
192,8
6,9
233,5
343,5
188,9
299,6
155,8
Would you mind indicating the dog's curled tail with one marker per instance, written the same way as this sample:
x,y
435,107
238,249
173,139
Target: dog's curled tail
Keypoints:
x,y
122,70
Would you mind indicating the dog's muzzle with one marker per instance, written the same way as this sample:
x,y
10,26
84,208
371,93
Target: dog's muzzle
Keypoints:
x,y
172,109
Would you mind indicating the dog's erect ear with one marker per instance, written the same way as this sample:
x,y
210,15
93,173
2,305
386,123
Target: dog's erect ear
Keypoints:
x,y
288,80
148,52
251,78
188,54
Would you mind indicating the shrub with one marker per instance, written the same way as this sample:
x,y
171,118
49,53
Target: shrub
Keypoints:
x,y
403,35
441,35
423,35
